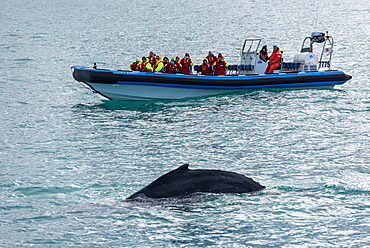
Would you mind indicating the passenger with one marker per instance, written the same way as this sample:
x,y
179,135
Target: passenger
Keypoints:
x,y
186,64
140,64
158,64
211,58
145,65
220,66
177,65
274,60
152,58
205,68
165,61
171,66
263,54
134,65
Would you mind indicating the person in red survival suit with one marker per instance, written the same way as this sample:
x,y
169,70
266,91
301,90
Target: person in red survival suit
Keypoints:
x,y
186,64
152,58
178,65
220,66
211,58
274,60
134,66
170,67
205,68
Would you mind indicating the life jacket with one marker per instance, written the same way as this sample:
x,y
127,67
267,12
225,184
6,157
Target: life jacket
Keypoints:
x,y
185,65
146,66
133,66
170,67
140,65
152,59
220,68
205,69
275,57
211,59
178,67
158,66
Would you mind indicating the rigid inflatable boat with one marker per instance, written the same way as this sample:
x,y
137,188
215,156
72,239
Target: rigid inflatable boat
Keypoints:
x,y
306,71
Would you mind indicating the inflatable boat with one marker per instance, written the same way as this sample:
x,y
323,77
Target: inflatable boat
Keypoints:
x,y
306,71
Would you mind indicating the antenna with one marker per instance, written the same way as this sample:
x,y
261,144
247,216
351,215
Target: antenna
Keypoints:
x,y
317,12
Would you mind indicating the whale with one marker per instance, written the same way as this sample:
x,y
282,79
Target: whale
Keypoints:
x,y
184,181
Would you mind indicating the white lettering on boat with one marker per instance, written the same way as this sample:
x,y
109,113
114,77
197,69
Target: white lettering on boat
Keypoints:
x,y
125,72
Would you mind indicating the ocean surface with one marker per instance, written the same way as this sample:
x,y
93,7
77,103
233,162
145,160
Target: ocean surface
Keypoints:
x,y
68,157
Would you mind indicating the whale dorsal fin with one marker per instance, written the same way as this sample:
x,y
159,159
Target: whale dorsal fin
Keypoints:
x,y
183,167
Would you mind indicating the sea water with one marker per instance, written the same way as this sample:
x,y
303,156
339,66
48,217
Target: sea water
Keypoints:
x,y
69,157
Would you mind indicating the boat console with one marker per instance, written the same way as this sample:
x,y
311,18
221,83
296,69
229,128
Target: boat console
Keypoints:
x,y
315,54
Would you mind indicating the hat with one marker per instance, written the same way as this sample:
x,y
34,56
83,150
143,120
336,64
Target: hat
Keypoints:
x,y
264,47
172,58
187,55
205,59
275,46
220,55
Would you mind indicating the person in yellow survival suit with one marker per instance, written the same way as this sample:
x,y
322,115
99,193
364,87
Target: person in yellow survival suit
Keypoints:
x,y
274,60
158,64
144,65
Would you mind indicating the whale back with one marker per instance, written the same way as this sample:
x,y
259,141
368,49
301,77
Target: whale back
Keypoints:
x,y
183,181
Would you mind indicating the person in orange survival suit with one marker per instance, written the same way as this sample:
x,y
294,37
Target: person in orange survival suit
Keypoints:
x,y
220,66
274,60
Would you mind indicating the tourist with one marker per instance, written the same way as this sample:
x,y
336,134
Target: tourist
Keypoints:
x,y
186,64
171,66
145,65
152,58
211,58
134,66
158,64
177,65
220,66
205,68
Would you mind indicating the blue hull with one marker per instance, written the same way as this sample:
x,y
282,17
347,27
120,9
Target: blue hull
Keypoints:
x,y
133,85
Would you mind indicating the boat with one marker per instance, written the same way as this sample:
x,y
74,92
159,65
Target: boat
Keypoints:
x,y
307,70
